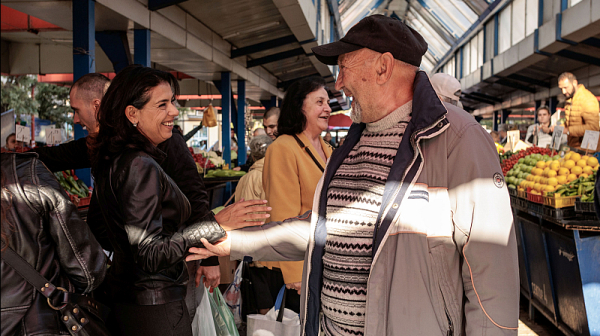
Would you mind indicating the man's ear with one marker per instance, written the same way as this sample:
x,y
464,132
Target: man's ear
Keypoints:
x,y
132,114
384,66
575,83
96,105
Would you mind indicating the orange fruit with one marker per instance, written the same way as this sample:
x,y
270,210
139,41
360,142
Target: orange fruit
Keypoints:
x,y
582,163
575,156
592,162
577,170
571,177
569,163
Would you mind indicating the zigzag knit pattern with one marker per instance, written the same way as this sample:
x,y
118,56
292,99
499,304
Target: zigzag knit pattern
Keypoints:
x,y
353,201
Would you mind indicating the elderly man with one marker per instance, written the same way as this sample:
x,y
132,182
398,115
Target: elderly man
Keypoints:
x,y
411,233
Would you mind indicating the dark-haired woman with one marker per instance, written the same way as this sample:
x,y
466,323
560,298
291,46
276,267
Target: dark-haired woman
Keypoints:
x,y
143,208
294,164
42,226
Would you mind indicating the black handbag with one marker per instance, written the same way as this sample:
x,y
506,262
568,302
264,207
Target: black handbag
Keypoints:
x,y
81,314
247,291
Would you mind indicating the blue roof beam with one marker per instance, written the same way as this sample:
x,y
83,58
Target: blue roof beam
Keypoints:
x,y
275,57
154,5
278,42
116,47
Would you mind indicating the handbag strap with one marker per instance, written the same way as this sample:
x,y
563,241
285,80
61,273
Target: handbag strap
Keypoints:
x,y
280,303
302,145
30,274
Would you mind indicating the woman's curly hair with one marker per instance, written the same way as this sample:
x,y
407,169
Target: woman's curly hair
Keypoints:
x,y
132,87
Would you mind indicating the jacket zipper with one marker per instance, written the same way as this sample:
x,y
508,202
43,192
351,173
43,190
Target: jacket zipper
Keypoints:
x,y
450,331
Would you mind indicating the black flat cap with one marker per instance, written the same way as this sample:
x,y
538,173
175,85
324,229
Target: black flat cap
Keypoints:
x,y
379,33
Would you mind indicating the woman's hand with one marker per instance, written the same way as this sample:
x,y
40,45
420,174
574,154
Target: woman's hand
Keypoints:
x,y
242,214
296,285
212,276
221,249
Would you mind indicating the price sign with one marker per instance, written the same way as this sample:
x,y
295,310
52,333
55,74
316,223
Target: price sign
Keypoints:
x,y
23,133
53,136
590,140
557,137
512,137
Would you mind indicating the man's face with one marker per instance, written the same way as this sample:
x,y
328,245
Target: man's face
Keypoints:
x,y
543,116
354,79
567,88
270,125
85,109
11,143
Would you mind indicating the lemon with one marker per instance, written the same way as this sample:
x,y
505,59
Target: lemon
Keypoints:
x,y
563,171
537,179
575,156
577,170
585,157
537,186
592,162
571,177
545,172
523,183
552,173
568,156
584,175
552,182
582,163
549,188
587,170
562,179
555,165
570,163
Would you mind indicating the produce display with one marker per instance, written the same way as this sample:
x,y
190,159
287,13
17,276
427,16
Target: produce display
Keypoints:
x,y
72,184
540,174
509,159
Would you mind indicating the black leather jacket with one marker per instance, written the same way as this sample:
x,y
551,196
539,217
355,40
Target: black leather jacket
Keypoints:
x,y
146,214
46,231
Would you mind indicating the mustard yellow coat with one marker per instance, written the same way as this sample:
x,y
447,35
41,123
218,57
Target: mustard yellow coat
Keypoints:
x,y
290,177
581,112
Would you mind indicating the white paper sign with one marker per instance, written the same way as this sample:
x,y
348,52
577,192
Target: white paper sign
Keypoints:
x,y
590,140
557,137
53,136
23,133
513,137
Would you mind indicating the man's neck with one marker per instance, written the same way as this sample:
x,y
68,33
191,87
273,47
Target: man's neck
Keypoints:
x,y
392,97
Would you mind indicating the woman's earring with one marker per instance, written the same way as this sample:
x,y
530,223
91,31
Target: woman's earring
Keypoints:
x,y
135,124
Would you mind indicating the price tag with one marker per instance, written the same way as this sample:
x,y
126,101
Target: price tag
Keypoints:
x,y
513,137
590,140
53,136
557,137
23,133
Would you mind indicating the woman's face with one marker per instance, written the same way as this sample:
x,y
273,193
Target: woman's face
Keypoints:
x,y
317,111
155,119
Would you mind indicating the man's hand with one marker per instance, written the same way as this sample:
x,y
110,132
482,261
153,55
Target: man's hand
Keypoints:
x,y
221,249
242,214
212,276
296,285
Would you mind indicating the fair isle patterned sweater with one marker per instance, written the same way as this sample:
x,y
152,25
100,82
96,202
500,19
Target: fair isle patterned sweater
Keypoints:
x,y
353,201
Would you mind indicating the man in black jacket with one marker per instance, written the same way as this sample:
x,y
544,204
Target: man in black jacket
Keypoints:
x,y
85,96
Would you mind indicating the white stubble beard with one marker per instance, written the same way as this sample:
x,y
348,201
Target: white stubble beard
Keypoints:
x,y
356,113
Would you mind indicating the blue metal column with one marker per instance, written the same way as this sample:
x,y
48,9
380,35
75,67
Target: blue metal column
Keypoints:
x,y
241,121
495,121
505,113
84,61
141,47
226,115
538,103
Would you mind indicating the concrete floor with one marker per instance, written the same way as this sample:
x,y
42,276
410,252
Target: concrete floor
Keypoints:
x,y
540,327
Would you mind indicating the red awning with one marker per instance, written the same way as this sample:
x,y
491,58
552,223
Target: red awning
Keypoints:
x,y
340,120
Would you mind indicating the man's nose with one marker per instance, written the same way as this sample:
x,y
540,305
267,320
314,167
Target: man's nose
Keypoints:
x,y
339,83
76,119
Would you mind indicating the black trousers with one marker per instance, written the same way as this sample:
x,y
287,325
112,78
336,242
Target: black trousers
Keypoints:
x,y
170,319
267,284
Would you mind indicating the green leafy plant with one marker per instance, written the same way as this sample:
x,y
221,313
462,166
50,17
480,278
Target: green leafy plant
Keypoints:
x,y
16,94
53,103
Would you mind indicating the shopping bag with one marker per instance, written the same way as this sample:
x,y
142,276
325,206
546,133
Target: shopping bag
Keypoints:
x,y
209,118
222,316
233,296
248,291
279,321
203,323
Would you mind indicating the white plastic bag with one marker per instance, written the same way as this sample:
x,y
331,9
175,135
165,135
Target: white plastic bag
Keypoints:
x,y
233,296
203,323
268,325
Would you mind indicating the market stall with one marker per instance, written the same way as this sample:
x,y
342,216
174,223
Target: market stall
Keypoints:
x,y
558,236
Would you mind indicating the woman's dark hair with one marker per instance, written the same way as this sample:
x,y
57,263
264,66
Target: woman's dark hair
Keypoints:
x,y
292,120
131,86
